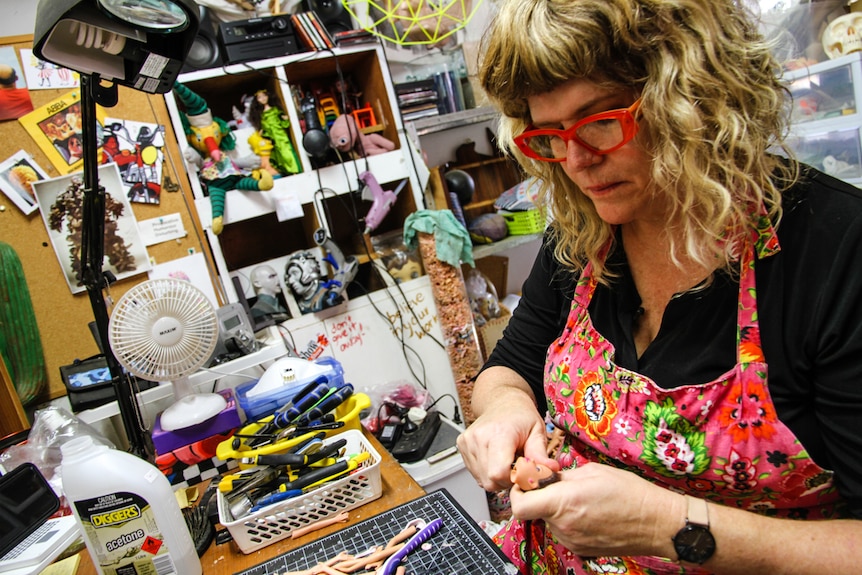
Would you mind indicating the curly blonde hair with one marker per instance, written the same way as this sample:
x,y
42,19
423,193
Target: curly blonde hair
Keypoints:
x,y
712,107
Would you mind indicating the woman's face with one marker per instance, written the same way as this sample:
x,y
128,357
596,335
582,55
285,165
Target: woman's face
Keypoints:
x,y
617,183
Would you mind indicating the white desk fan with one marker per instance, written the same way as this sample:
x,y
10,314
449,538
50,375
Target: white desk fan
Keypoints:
x,y
165,330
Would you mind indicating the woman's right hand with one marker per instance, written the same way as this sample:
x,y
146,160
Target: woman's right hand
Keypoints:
x,y
508,425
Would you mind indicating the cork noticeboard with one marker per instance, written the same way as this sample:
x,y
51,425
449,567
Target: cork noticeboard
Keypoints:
x,y
62,317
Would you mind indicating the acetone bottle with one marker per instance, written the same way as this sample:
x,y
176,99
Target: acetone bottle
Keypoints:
x,y
127,511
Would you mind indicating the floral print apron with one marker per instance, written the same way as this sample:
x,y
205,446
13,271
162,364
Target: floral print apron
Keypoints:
x,y
721,440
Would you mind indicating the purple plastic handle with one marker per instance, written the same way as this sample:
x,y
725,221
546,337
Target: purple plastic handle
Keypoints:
x,y
391,564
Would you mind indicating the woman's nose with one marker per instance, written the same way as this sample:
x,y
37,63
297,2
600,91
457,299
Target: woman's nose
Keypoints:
x,y
578,157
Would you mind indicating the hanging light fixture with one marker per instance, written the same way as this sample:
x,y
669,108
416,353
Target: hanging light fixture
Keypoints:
x,y
141,44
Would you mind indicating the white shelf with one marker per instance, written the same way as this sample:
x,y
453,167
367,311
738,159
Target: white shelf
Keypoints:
x,y
430,125
506,243
199,380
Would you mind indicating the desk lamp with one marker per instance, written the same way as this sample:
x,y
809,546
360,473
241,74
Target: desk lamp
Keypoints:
x,y
141,44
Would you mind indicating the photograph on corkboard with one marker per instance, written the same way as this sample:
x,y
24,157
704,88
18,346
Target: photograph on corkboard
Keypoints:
x,y
44,75
17,175
136,148
14,97
56,128
61,203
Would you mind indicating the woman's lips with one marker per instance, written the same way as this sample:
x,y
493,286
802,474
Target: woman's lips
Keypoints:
x,y
602,188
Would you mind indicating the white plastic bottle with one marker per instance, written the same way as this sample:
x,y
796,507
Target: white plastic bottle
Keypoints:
x,y
127,512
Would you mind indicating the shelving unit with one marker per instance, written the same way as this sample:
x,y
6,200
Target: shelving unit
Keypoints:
x,y
441,137
324,194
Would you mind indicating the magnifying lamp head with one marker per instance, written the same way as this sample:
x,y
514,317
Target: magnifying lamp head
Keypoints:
x,y
137,43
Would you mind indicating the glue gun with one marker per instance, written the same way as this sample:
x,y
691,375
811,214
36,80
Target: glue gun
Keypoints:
x,y
382,200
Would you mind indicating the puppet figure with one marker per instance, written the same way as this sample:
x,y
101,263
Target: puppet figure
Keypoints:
x,y
272,140
214,144
346,136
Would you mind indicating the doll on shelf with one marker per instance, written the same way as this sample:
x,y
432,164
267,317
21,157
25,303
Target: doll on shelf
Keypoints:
x,y
272,140
212,151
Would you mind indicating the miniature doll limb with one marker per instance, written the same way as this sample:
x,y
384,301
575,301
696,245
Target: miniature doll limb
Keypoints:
x,y
260,180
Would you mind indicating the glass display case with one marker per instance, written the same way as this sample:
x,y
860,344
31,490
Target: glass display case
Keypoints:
x,y
826,116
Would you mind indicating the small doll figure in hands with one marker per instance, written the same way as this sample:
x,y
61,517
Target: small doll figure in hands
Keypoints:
x,y
212,153
272,140
529,475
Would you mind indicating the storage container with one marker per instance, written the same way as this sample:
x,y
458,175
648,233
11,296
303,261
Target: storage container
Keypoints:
x,y
276,522
348,412
256,407
127,512
524,223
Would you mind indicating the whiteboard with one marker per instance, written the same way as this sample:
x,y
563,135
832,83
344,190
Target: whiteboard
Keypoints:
x,y
379,338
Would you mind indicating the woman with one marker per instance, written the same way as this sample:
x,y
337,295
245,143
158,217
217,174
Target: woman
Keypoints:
x,y
683,260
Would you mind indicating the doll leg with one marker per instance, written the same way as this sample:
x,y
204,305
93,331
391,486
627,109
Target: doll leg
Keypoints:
x,y
217,204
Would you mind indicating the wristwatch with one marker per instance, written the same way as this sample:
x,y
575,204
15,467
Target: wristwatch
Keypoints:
x,y
694,543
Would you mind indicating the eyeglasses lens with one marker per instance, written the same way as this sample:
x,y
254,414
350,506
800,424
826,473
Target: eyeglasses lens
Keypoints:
x,y
599,135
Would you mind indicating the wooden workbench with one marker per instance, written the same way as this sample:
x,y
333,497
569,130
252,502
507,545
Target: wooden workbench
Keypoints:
x,y
398,488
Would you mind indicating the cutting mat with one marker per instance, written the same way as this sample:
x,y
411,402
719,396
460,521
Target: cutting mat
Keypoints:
x,y
459,547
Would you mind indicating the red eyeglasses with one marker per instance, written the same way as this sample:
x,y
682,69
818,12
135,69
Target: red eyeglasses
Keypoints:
x,y
600,133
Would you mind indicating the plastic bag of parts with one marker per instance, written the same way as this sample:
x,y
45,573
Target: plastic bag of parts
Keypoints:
x,y
401,263
52,427
483,297
391,401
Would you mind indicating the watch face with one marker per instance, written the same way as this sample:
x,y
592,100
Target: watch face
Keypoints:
x,y
694,543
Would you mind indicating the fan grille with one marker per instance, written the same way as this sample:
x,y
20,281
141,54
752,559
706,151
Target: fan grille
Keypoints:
x,y
163,329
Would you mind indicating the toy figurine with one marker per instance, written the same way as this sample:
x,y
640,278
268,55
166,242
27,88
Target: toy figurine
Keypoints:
x,y
313,289
403,267
240,116
528,475
212,153
266,286
346,136
272,124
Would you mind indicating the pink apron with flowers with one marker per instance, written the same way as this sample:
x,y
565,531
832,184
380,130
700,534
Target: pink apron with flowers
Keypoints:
x,y
721,440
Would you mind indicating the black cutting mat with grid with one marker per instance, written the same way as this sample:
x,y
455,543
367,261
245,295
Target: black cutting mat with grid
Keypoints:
x,y
459,547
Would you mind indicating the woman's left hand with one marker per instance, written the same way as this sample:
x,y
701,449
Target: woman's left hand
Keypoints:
x,y
598,510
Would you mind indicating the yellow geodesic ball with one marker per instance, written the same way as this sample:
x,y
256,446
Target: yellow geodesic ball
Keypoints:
x,y
412,22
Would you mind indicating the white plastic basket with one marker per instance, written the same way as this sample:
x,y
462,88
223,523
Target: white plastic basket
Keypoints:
x,y
276,522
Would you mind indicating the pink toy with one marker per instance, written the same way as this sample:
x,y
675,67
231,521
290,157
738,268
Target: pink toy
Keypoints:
x,y
345,136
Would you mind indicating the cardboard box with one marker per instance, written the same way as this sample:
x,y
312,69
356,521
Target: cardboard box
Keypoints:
x,y
492,331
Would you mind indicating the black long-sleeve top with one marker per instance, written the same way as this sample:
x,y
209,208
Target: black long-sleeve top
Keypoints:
x,y
809,300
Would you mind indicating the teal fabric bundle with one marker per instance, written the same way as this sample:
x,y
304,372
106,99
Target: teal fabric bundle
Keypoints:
x,y
451,239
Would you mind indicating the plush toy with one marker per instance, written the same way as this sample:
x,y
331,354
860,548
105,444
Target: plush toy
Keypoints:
x,y
346,136
212,146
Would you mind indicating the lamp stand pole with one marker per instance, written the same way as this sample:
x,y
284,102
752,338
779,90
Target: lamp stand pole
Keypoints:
x,y
92,257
